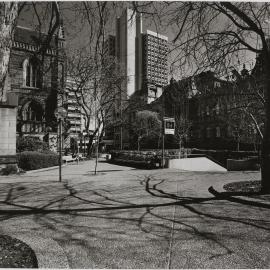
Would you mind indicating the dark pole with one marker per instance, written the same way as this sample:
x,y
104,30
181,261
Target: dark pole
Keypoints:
x,y
84,145
60,150
121,137
121,119
163,128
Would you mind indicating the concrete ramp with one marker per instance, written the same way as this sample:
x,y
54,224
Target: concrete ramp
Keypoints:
x,y
199,164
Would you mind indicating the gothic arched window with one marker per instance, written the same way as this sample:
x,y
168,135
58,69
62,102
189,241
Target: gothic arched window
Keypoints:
x,y
31,73
32,118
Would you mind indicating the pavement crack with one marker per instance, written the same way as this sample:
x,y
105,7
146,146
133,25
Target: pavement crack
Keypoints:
x,y
171,235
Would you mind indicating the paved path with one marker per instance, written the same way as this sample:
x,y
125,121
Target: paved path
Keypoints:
x,y
128,218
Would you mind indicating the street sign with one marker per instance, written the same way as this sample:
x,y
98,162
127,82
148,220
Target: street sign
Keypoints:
x,y
60,113
169,125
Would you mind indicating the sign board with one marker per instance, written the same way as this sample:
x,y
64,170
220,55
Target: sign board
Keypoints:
x,y
169,125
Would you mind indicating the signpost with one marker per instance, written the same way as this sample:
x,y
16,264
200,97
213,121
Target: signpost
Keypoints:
x,y
168,128
169,125
60,113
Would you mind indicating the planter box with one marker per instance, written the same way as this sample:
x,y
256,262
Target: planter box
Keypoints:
x,y
242,165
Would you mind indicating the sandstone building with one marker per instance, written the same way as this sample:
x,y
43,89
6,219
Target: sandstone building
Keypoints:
x,y
38,78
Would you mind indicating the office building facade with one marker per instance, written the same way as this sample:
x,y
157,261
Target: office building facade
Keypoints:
x,y
143,58
128,30
154,64
74,115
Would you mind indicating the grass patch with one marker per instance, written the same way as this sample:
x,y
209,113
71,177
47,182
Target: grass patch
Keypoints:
x,y
16,254
244,186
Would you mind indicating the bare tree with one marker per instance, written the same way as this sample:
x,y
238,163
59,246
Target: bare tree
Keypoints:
x,y
214,35
182,128
146,124
96,92
96,75
240,126
8,16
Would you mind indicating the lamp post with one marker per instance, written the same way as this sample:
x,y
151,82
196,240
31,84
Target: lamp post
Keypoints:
x,y
60,113
76,136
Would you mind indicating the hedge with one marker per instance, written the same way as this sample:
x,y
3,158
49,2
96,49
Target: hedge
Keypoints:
x,y
30,160
28,143
145,158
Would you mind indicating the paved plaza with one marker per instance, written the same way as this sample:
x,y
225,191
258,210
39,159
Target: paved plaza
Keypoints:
x,y
131,218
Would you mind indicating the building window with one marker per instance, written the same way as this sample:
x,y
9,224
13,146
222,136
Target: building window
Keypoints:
x,y
208,133
31,73
207,110
217,109
216,84
229,131
218,132
32,117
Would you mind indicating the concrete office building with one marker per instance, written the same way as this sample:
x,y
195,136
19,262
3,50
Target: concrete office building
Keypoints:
x,y
128,31
142,55
76,118
74,115
155,64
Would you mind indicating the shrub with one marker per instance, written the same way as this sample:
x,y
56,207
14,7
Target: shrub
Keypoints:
x,y
35,160
31,144
9,169
148,158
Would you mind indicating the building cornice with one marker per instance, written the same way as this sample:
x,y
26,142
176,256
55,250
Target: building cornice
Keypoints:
x,y
31,48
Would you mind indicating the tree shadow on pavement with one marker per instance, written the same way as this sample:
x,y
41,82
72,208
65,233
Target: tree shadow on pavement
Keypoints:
x,y
107,202
188,201
121,204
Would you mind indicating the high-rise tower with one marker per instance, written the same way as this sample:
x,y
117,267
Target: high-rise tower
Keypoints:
x,y
143,59
155,64
128,31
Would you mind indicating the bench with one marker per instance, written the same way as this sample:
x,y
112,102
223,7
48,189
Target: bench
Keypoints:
x,y
68,158
81,157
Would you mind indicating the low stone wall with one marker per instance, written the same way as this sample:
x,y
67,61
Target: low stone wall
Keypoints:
x,y
194,164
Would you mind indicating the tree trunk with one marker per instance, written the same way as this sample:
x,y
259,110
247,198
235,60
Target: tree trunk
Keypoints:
x,y
180,148
265,160
265,151
8,16
97,146
89,145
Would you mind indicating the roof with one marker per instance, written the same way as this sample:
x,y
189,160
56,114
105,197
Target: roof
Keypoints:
x,y
155,34
30,36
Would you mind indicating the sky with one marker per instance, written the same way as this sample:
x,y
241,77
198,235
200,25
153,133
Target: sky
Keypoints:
x,y
77,32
